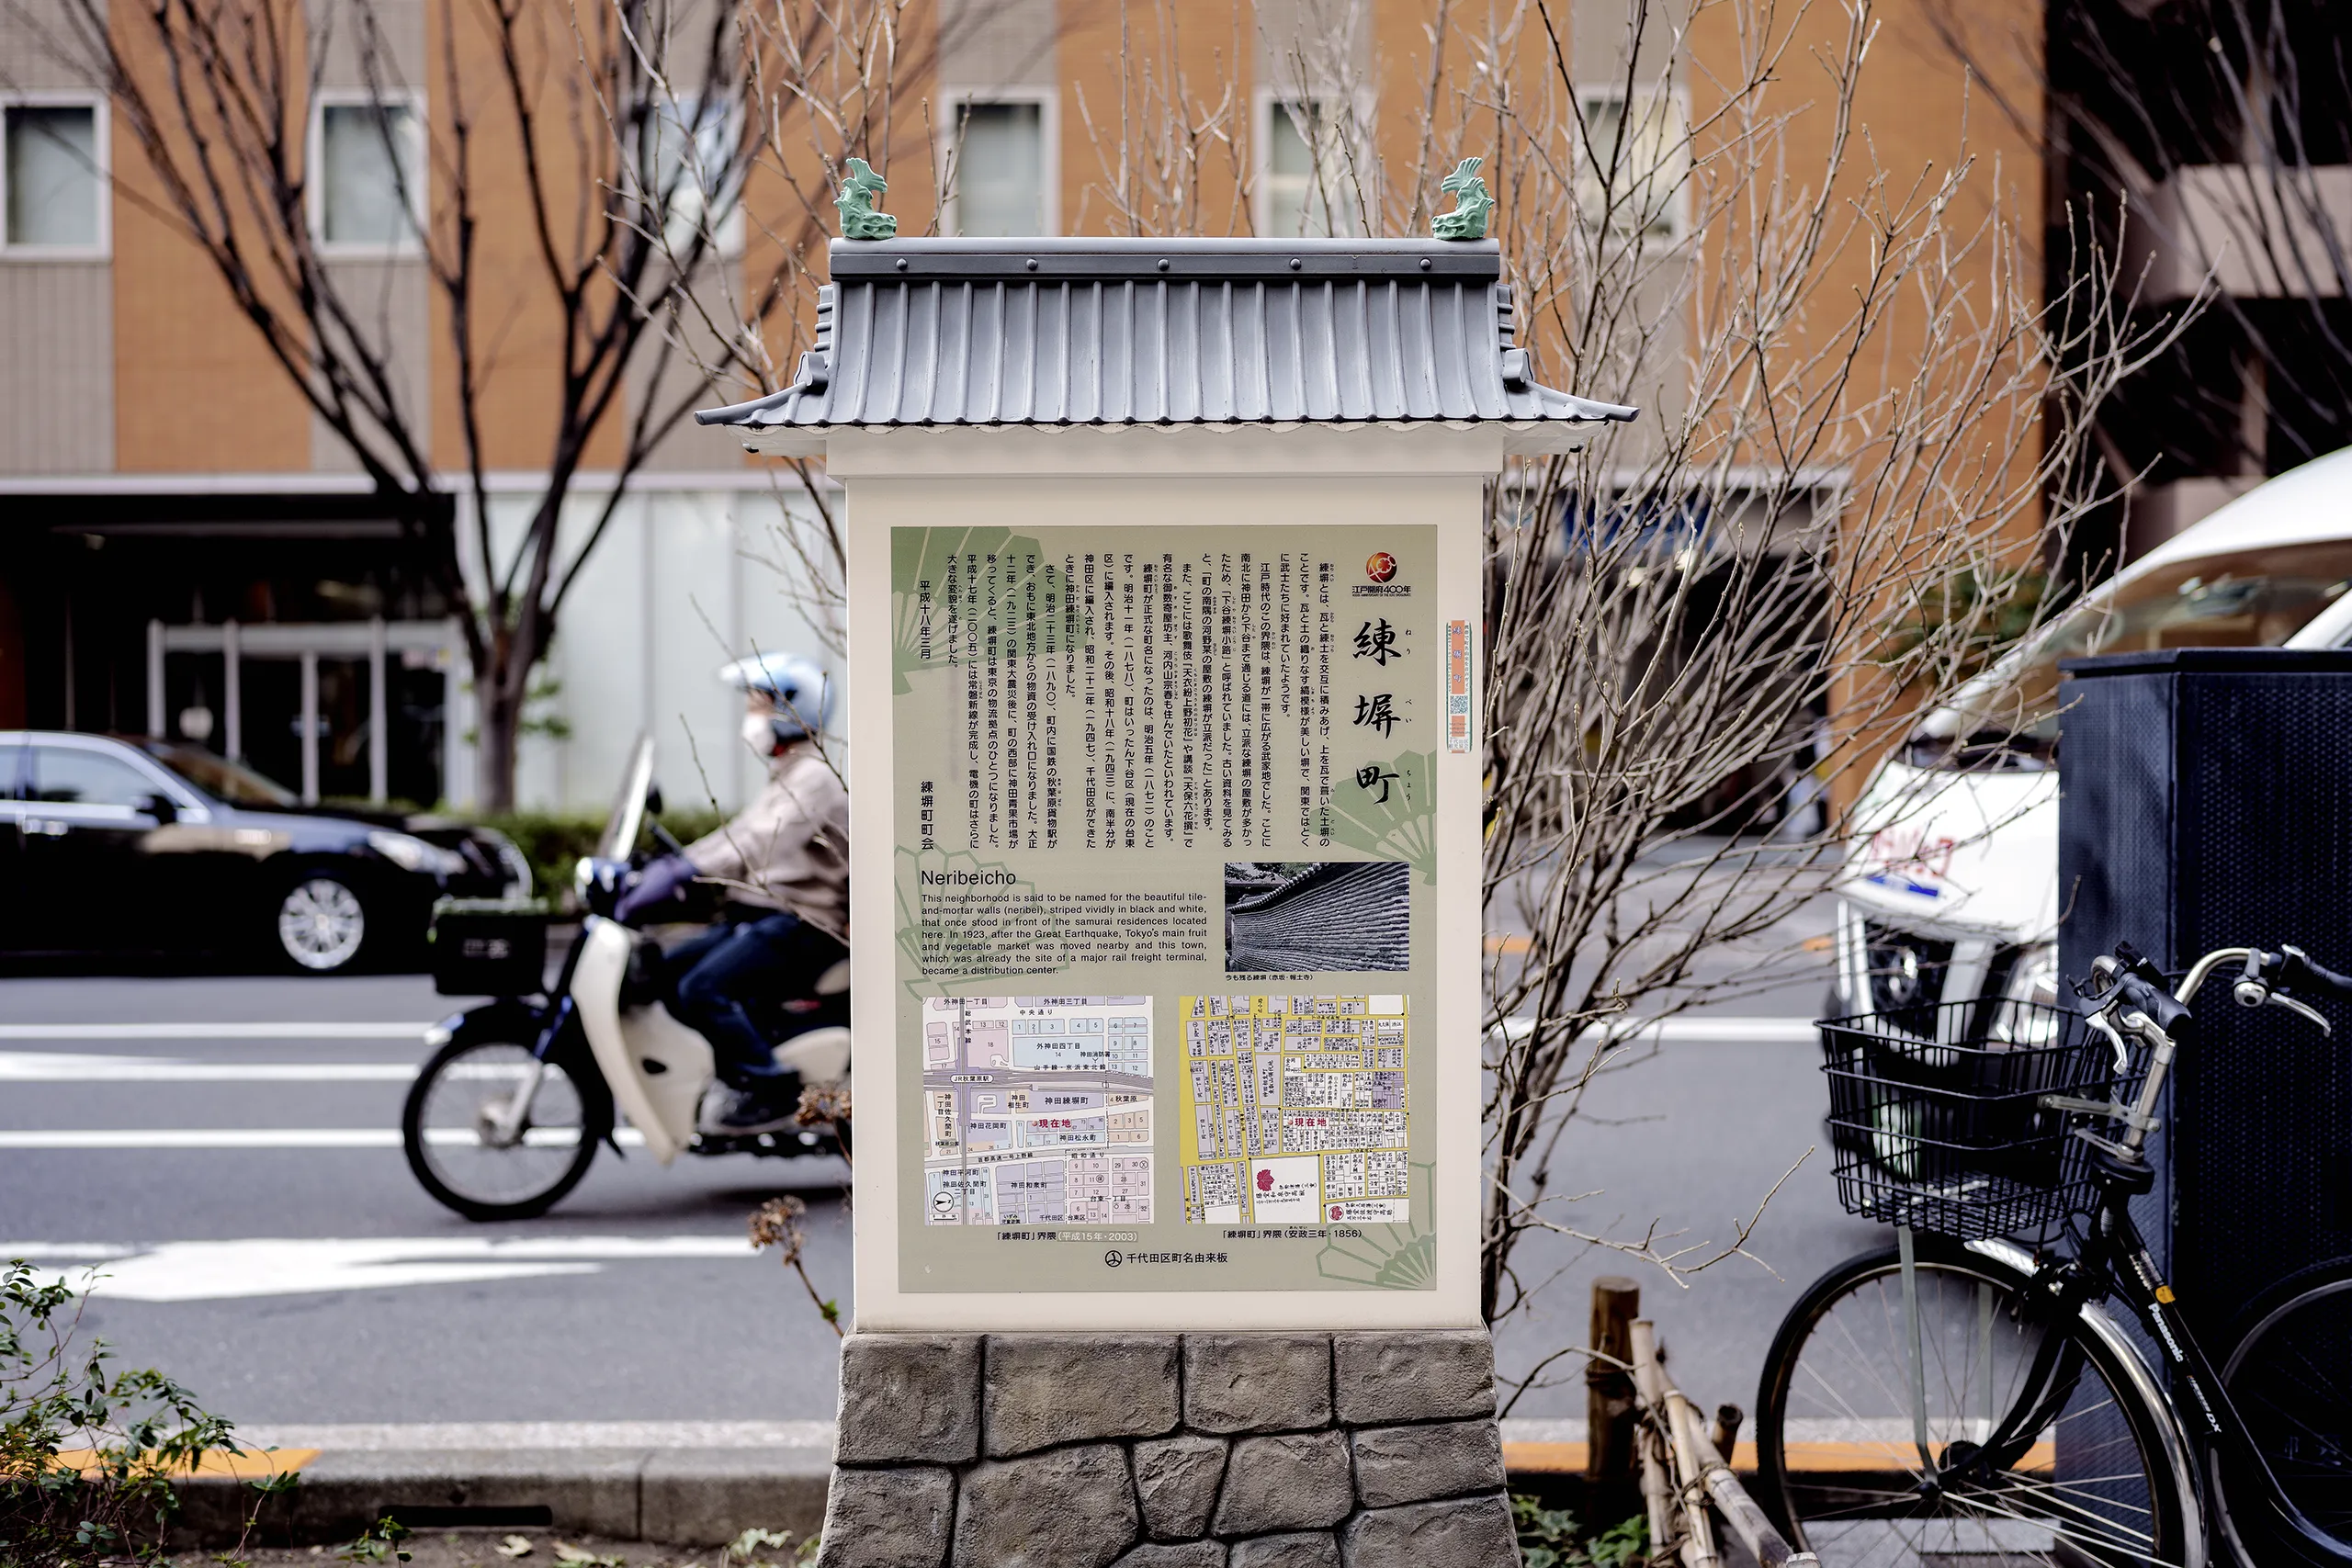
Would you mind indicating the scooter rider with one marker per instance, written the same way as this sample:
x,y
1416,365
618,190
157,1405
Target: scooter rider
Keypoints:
x,y
784,862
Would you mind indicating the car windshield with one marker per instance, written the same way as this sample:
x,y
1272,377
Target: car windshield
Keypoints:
x,y
220,778
2255,598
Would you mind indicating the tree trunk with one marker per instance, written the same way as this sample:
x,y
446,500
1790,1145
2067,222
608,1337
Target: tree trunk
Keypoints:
x,y
498,720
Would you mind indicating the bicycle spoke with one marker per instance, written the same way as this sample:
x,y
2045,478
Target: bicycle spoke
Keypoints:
x,y
1943,1364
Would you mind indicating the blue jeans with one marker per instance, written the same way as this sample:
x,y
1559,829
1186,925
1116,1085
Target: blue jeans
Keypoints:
x,y
716,973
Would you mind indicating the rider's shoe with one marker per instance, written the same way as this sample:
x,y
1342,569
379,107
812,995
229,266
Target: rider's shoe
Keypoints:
x,y
749,1111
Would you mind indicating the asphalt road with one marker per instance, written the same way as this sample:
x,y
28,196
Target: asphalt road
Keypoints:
x,y
637,1299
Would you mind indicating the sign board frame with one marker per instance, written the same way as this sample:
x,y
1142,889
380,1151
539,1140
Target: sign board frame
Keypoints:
x,y
1144,479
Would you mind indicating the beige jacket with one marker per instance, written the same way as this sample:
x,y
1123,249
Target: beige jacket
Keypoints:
x,y
788,849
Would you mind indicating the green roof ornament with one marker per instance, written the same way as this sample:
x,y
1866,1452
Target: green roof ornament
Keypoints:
x,y
859,220
1471,204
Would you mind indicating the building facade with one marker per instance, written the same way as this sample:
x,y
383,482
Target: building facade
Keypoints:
x,y
187,549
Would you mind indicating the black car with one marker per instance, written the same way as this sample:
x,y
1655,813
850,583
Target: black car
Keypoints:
x,y
117,843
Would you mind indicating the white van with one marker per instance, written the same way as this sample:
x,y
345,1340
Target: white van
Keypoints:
x,y
1951,887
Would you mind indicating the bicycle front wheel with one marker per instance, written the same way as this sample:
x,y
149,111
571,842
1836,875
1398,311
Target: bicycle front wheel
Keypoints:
x,y
1869,1456
2289,1374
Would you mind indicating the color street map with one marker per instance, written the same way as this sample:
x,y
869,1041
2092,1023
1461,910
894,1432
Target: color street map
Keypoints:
x,y
1293,1109
1038,1108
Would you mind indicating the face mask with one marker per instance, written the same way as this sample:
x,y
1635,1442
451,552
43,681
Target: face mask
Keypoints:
x,y
759,733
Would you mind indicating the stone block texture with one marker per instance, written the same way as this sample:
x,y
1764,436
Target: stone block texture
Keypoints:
x,y
1068,1508
1164,1450
1297,1481
1257,1383
1415,1464
1184,1554
1469,1532
909,1398
897,1518
1395,1375
1039,1389
1296,1548
1176,1483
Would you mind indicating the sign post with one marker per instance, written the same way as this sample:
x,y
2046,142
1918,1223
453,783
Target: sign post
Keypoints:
x,y
1164,573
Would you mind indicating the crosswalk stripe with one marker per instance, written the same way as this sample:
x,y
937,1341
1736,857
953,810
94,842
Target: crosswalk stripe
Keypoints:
x,y
1715,1029
270,1031
160,1138
60,1067
281,1266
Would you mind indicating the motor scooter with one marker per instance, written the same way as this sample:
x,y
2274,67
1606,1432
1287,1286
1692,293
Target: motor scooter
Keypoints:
x,y
506,1117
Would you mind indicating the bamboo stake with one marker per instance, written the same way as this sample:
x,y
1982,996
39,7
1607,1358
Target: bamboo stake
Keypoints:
x,y
1658,1491
1726,1432
1747,1521
1658,1394
1609,1393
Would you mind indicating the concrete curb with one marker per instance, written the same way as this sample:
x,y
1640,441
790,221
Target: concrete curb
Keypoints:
x,y
683,1484
685,1496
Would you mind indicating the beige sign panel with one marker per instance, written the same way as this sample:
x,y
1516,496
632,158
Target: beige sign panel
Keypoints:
x,y
1171,1014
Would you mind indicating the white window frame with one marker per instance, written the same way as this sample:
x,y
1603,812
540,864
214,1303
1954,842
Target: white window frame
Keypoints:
x,y
1673,226
314,194
952,101
726,237
1261,149
102,146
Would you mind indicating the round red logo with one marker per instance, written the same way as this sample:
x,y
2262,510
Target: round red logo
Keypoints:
x,y
1381,567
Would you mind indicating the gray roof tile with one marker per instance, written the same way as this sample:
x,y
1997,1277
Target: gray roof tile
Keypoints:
x,y
1162,332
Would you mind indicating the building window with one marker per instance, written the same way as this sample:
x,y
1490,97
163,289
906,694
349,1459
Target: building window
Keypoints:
x,y
370,190
1306,180
52,176
689,168
997,169
1634,170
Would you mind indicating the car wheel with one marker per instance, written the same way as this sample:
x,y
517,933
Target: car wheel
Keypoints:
x,y
321,924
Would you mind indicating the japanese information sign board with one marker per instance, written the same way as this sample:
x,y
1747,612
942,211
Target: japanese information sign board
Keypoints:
x,y
1163,807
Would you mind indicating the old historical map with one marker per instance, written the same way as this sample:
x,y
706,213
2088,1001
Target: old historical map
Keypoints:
x,y
1293,1109
1038,1109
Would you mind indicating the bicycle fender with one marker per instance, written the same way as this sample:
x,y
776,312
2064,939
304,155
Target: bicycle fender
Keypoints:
x,y
2103,1328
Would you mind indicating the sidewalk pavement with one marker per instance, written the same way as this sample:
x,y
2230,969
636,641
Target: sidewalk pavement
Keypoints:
x,y
681,1483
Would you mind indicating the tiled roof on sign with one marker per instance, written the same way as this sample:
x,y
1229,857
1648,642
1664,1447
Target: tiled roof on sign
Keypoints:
x,y
1162,332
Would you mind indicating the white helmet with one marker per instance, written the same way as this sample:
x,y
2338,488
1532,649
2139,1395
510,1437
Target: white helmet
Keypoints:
x,y
802,693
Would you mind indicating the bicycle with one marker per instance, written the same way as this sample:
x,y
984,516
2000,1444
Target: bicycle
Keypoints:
x,y
1959,1399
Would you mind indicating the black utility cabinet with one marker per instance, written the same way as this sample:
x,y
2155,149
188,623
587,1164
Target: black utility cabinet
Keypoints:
x,y
2206,802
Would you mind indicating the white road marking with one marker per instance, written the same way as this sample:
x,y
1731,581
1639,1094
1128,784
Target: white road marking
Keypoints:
x,y
63,1067
271,1031
200,1138
225,1271
1721,1029
239,1137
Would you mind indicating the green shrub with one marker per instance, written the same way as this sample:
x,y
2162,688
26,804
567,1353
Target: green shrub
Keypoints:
x,y
554,841
87,1454
1551,1538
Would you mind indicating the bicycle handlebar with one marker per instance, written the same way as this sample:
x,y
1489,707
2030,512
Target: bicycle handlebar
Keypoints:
x,y
2132,1001
2292,967
2134,993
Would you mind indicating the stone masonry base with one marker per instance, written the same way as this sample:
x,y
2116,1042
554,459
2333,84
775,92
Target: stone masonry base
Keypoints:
x,y
1168,1450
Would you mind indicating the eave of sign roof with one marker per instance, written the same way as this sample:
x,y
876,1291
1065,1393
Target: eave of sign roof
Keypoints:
x,y
1253,330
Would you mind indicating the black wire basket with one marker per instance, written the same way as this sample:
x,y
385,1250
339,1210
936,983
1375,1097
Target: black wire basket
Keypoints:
x,y
1936,1119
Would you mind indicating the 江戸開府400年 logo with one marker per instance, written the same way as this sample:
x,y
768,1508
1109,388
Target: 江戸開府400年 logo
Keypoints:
x,y
1381,567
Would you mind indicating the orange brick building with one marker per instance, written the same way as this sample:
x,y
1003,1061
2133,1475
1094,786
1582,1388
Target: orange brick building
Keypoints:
x,y
170,506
